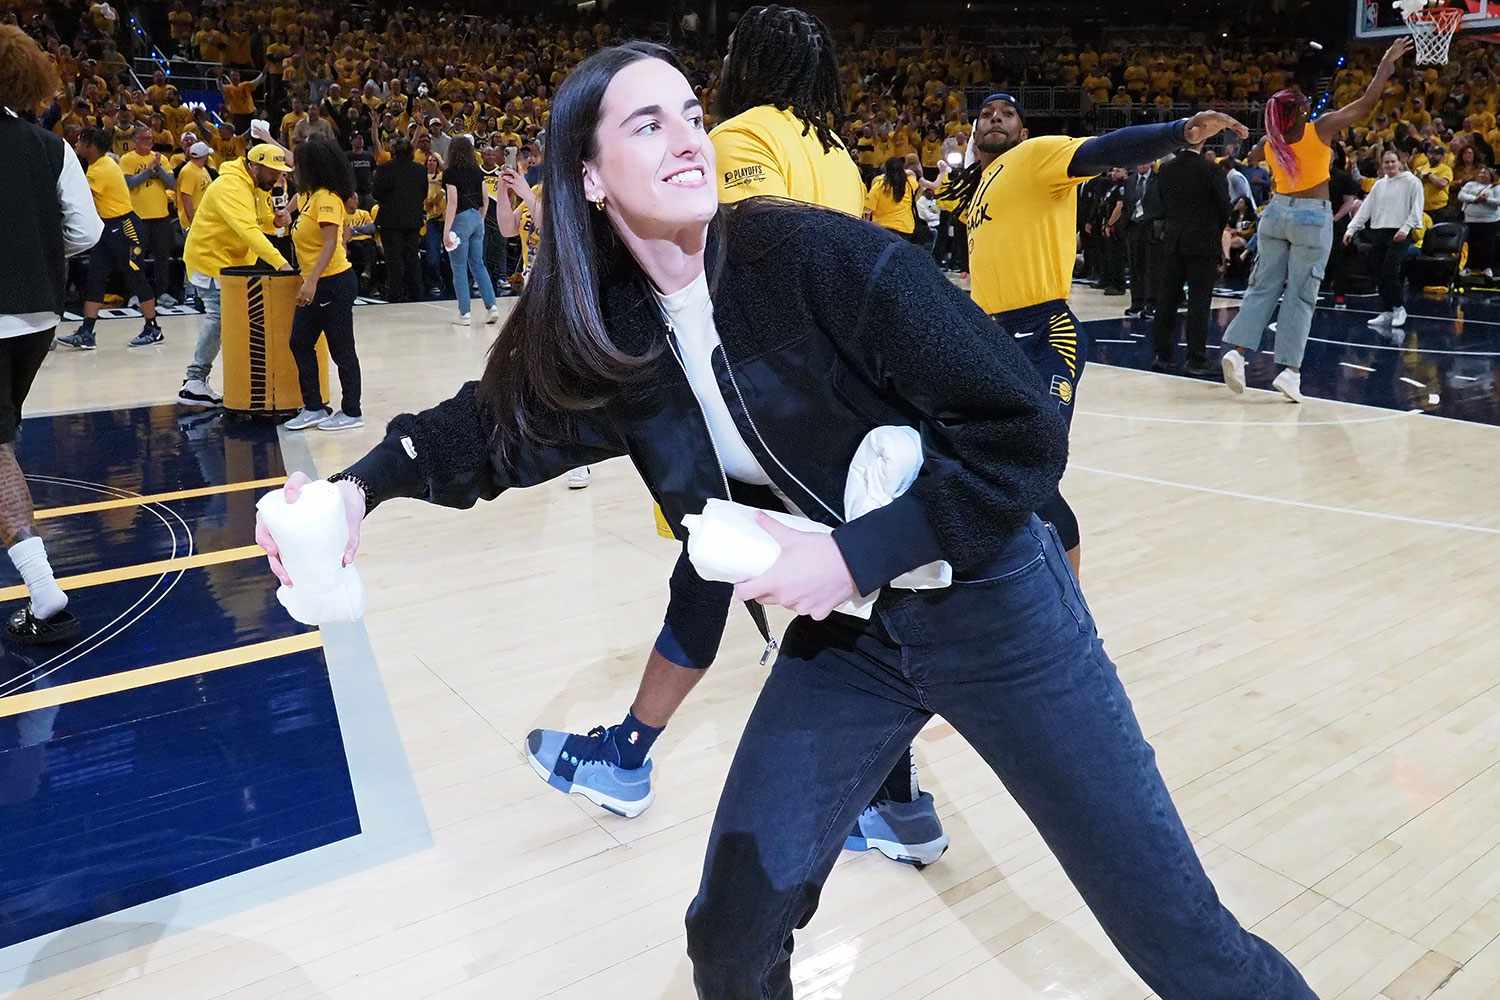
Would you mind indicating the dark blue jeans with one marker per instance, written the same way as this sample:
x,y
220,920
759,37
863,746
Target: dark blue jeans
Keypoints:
x,y
1015,665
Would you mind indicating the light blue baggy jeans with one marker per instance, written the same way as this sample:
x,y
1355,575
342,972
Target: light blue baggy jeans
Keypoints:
x,y
469,258
1294,235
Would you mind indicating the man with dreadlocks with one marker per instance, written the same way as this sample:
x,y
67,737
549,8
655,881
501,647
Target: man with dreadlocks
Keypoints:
x,y
1018,199
780,99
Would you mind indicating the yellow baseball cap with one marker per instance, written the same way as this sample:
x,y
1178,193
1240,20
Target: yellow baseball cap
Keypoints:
x,y
271,156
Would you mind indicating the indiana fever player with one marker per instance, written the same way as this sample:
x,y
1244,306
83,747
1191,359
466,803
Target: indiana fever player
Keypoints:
x,y
1019,201
780,104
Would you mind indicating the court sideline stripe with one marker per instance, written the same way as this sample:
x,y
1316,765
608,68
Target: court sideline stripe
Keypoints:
x,y
126,680
136,500
161,566
1303,504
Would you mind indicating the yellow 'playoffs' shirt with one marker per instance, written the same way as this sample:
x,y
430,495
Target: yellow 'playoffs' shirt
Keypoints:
x,y
316,209
531,235
149,198
111,194
763,151
1022,226
888,211
192,181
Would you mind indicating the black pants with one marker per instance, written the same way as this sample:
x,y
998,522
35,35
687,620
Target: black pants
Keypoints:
x,y
157,240
495,254
1114,253
20,359
1199,271
330,314
1482,244
1138,240
403,267
1391,257
119,250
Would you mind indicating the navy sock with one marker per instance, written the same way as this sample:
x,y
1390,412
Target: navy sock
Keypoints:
x,y
901,784
633,739
87,329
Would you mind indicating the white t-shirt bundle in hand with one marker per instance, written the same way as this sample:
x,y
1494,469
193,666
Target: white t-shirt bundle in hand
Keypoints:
x,y
311,536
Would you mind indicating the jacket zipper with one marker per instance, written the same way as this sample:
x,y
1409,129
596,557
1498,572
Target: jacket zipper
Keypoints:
x,y
751,420
771,644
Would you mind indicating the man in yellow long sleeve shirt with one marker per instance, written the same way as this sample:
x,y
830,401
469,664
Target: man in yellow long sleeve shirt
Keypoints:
x,y
227,231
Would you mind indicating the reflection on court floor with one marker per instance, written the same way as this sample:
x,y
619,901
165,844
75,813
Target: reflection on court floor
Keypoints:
x,y
191,733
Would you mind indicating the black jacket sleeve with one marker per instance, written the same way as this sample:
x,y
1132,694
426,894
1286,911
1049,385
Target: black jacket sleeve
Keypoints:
x,y
444,455
994,443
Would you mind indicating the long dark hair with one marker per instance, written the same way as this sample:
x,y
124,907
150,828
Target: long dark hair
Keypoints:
x,y
322,166
554,355
785,58
895,177
461,153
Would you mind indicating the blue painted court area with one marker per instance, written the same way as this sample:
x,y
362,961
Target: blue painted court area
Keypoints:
x,y
215,745
1445,364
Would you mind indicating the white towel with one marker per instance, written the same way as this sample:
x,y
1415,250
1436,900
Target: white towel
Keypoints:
x,y
311,535
727,546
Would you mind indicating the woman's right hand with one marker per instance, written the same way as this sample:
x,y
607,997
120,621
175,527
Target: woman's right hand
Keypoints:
x,y
1399,48
354,515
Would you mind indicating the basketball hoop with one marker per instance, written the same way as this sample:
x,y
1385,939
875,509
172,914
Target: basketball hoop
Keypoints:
x,y
1432,29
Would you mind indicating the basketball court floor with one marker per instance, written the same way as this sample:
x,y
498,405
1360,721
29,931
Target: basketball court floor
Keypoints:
x,y
206,800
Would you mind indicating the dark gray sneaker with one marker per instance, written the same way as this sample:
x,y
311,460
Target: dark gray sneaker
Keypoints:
x,y
79,341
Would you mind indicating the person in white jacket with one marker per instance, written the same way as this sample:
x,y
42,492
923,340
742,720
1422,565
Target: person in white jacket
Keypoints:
x,y
1391,211
1480,199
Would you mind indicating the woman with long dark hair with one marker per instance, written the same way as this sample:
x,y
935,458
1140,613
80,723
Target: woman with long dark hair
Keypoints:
x,y
1295,232
325,302
602,358
463,228
889,203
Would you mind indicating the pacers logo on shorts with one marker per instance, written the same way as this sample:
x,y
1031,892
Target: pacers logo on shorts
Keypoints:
x,y
1062,389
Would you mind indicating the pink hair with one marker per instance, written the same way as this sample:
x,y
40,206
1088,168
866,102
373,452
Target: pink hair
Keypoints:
x,y
1281,110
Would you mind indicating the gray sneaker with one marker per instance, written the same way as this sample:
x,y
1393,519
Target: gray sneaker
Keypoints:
x,y
306,419
79,341
909,832
341,421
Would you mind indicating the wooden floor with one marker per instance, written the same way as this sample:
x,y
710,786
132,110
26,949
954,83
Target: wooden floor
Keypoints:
x,y
1302,602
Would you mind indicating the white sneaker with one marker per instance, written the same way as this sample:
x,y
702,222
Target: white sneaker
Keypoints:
x,y
341,421
461,320
306,419
1233,365
1398,317
1290,385
195,392
1381,320
579,479
493,316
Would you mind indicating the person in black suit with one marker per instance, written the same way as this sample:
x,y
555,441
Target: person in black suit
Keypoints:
x,y
1141,214
399,189
1195,204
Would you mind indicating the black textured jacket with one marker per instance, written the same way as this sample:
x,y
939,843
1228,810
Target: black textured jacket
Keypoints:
x,y
1195,204
830,328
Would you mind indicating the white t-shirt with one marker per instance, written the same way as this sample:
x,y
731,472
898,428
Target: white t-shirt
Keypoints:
x,y
691,314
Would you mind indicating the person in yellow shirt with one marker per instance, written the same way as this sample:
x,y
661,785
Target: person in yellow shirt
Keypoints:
x,y
289,121
174,113
119,249
149,178
325,302
157,92
1436,176
229,227
889,203
781,103
227,145
239,98
192,181
1019,201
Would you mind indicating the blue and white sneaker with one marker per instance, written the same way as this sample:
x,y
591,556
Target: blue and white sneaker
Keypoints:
x,y
590,766
909,832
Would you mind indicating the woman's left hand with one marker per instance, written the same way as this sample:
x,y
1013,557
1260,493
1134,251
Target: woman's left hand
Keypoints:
x,y
307,292
809,578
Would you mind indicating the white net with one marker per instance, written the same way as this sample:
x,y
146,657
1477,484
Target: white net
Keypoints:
x,y
1432,31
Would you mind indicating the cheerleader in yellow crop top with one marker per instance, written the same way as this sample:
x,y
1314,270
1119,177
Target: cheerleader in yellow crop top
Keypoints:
x,y
1296,229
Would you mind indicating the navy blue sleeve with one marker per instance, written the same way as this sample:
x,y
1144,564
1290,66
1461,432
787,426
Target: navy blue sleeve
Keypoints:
x,y
1127,147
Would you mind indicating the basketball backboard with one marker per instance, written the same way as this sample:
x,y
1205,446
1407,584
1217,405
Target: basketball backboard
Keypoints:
x,y
1381,19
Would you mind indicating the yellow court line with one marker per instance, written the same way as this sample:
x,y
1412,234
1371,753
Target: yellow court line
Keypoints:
x,y
139,570
201,491
127,680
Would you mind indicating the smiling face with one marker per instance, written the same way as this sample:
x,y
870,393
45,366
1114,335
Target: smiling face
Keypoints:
x,y
1390,163
653,163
